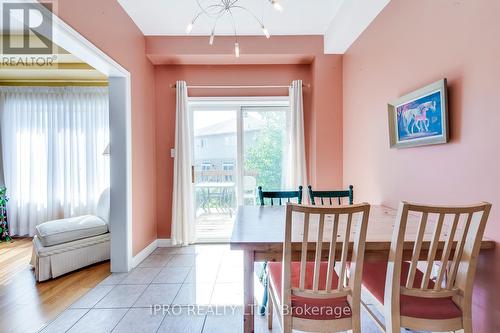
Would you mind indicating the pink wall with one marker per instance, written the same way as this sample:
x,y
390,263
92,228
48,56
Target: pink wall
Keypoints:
x,y
181,50
325,145
165,106
320,113
411,44
276,61
107,26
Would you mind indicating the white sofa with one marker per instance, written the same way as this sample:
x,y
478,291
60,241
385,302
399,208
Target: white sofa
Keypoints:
x,y
62,246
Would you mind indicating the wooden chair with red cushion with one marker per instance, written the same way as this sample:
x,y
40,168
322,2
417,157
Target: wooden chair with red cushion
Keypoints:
x,y
315,296
418,299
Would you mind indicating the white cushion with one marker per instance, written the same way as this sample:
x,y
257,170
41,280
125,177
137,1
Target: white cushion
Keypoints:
x,y
67,230
103,205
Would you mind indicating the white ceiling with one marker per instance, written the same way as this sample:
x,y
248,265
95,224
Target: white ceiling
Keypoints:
x,y
353,17
170,17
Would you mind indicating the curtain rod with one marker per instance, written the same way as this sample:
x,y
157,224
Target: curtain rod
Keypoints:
x,y
308,85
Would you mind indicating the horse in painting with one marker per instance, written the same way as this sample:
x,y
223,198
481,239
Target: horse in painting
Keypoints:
x,y
417,117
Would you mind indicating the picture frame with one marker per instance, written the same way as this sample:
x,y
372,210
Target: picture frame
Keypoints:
x,y
420,118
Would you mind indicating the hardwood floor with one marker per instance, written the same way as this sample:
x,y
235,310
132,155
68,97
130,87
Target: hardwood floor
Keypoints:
x,y
25,305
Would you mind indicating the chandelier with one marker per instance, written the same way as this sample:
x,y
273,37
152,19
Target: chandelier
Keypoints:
x,y
224,8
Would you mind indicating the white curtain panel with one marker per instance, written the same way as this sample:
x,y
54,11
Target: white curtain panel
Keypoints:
x,y
52,144
296,169
182,203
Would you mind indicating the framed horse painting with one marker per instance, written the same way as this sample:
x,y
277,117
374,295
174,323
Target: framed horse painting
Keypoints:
x,y
420,118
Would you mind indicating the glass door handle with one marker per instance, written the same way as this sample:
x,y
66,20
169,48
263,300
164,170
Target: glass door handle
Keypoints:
x,y
192,174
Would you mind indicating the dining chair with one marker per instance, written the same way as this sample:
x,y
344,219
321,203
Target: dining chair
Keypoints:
x,y
329,196
407,292
271,195
288,195
316,296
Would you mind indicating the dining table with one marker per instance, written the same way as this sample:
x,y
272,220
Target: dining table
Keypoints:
x,y
259,231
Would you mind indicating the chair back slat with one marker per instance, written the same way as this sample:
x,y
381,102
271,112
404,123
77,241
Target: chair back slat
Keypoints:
x,y
416,250
280,195
303,258
432,251
331,253
321,226
458,244
446,252
345,249
458,253
319,247
331,195
286,293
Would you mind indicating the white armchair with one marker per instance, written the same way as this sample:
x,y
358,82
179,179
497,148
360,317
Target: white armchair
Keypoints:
x,y
65,245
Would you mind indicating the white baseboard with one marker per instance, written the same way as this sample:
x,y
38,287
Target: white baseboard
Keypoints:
x,y
164,242
139,257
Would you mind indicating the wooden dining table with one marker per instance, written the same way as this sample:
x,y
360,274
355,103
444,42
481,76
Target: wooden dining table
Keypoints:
x,y
260,230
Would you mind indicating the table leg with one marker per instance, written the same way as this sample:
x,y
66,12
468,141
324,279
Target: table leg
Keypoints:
x,y
248,264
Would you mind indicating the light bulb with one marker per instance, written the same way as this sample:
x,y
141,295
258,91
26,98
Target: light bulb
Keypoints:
x,y
189,27
266,32
237,49
277,5
211,42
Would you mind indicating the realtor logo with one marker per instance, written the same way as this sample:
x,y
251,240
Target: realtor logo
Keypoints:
x,y
27,19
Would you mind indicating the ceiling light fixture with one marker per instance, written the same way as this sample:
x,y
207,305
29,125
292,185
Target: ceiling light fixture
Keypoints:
x,y
219,8
276,4
237,49
189,28
266,32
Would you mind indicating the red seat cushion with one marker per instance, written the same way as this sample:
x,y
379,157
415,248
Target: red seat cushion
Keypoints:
x,y
374,274
310,308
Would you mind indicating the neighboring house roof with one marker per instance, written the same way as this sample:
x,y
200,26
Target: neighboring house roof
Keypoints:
x,y
229,126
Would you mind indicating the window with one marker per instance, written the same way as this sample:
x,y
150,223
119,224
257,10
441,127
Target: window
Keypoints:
x,y
200,143
228,168
230,140
53,142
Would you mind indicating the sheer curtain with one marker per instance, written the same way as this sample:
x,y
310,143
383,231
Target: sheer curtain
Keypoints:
x,y
182,203
52,144
296,166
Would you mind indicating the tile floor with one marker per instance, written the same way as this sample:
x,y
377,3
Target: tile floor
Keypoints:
x,y
210,276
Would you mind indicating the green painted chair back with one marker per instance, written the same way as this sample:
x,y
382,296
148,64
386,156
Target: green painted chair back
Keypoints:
x,y
280,195
329,197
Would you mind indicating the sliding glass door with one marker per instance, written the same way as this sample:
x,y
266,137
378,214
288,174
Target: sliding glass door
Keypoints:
x,y
215,154
264,150
238,145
